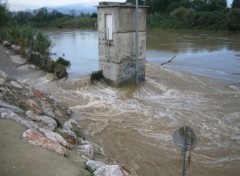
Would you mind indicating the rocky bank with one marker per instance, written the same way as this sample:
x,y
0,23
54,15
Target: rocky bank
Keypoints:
x,y
44,140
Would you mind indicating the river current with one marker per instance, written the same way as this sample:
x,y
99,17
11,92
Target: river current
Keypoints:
x,y
135,124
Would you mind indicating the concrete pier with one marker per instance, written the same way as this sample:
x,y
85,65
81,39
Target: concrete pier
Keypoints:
x,y
116,35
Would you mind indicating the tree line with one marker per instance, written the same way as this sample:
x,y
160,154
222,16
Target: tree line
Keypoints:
x,y
42,17
188,14
195,14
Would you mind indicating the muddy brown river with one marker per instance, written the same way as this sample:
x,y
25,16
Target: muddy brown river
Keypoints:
x,y
135,124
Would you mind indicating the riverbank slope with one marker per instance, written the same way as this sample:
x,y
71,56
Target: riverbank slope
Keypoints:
x,y
17,156
44,139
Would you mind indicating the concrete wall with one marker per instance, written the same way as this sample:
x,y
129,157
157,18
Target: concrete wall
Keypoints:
x,y
117,57
123,17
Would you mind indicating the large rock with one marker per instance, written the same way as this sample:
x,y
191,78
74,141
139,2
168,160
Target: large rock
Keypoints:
x,y
3,90
101,169
69,124
36,138
1,95
50,122
34,106
39,94
68,135
3,75
2,81
97,149
7,114
67,132
109,170
94,165
55,137
58,113
124,170
60,107
6,44
47,109
89,150
10,107
16,48
86,151
72,125
16,85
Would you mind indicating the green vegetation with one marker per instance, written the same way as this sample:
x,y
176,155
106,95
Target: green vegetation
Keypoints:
x,y
3,13
43,18
33,44
63,62
176,14
194,14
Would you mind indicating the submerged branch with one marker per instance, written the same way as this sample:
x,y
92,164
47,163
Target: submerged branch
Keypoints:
x,y
168,61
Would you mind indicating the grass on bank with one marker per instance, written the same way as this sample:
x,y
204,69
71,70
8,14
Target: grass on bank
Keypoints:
x,y
35,46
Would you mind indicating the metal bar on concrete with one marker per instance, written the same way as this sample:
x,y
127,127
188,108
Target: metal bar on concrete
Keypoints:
x,y
136,43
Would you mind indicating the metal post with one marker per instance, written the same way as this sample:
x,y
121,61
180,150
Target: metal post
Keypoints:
x,y
136,43
185,140
184,158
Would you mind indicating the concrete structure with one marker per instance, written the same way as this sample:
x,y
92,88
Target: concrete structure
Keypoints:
x,y
116,35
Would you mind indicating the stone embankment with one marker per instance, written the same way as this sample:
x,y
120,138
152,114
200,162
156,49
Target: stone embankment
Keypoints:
x,y
48,125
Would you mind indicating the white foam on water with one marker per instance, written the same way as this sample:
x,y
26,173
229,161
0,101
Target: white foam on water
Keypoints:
x,y
154,111
159,102
218,161
110,100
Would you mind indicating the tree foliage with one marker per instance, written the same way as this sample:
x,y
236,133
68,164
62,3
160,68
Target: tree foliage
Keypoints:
x,y
234,22
164,6
236,4
44,18
3,13
197,14
217,5
204,14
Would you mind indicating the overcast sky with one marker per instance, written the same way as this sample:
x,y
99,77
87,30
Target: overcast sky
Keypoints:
x,y
34,4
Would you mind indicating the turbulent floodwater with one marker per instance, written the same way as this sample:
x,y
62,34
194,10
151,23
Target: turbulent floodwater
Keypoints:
x,y
135,124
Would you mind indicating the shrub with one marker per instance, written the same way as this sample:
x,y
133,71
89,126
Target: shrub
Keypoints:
x,y
43,63
96,76
209,20
155,19
42,44
64,62
188,16
60,71
34,58
51,66
179,13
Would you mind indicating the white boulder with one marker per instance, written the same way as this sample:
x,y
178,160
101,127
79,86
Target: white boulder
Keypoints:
x,y
109,170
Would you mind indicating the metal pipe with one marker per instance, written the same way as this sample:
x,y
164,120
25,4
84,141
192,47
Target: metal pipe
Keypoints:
x,y
136,43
